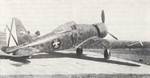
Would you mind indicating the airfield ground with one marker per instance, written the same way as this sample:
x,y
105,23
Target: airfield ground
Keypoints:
x,y
68,65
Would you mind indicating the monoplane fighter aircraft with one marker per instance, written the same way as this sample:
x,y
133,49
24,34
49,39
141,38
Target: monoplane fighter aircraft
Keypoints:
x,y
67,36
72,35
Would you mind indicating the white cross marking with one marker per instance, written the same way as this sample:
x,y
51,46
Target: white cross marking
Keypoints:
x,y
56,44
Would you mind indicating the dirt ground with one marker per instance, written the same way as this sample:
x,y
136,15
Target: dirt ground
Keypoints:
x,y
67,64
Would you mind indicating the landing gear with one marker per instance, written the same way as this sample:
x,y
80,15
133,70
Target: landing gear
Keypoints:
x,y
107,54
79,51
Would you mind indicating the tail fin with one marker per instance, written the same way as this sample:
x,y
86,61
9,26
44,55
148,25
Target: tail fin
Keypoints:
x,y
22,34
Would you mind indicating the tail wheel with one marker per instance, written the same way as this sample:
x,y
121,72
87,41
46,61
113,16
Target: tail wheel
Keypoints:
x,y
107,54
79,51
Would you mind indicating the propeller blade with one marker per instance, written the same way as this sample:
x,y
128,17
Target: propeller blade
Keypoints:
x,y
10,33
113,36
103,16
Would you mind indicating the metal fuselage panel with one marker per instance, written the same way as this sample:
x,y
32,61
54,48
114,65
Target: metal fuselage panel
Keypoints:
x,y
69,39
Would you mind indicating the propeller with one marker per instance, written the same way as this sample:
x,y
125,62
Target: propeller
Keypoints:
x,y
113,36
103,16
103,21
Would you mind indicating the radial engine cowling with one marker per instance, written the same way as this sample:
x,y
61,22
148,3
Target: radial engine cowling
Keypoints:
x,y
101,29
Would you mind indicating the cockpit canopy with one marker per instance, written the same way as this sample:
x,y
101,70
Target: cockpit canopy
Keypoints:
x,y
65,27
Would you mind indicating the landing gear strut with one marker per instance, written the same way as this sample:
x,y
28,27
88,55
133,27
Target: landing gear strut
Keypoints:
x,y
107,54
79,51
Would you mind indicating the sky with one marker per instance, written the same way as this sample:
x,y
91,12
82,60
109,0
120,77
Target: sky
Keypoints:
x,y
126,19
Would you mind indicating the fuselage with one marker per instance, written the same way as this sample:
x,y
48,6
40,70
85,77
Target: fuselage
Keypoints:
x,y
68,36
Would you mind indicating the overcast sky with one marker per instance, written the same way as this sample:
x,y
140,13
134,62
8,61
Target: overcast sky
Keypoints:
x,y
127,19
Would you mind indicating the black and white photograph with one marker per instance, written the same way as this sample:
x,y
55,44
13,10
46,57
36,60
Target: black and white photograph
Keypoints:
x,y
74,39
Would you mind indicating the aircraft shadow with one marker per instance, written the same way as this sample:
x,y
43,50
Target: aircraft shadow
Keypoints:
x,y
84,57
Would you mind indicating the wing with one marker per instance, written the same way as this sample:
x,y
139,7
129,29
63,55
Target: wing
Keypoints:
x,y
98,43
94,42
131,50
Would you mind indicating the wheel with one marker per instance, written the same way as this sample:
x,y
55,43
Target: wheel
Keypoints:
x,y
79,51
107,54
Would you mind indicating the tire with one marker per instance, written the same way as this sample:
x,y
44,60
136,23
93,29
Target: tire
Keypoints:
x,y
107,54
79,51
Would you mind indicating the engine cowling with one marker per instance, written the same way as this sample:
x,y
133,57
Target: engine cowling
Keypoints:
x,y
101,29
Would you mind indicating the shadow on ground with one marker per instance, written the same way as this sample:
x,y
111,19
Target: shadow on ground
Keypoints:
x,y
84,57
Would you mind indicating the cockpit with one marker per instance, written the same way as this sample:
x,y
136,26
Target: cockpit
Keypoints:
x,y
69,26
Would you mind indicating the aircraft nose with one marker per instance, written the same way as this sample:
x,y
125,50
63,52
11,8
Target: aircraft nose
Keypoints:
x,y
102,30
